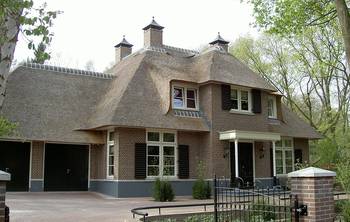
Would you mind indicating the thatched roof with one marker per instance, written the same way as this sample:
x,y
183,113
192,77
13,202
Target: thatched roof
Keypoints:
x,y
58,104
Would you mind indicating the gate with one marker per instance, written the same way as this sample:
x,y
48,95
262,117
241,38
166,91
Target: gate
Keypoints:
x,y
232,204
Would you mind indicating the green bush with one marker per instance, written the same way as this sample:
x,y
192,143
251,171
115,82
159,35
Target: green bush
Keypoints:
x,y
162,191
342,208
201,190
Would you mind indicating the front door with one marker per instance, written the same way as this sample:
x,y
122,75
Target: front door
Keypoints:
x,y
245,163
66,167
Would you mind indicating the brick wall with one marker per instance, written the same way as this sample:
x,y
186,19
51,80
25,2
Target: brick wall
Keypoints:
x,y
37,159
98,168
2,200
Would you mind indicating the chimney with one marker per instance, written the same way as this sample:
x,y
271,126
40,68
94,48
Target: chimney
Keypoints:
x,y
122,49
219,41
153,34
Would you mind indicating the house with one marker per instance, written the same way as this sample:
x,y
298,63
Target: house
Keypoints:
x,y
157,113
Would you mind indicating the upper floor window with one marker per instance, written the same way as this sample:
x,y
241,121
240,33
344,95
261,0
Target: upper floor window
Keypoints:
x,y
271,107
240,100
185,98
161,154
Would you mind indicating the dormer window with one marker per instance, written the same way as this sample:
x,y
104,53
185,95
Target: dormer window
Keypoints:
x,y
185,98
271,107
240,100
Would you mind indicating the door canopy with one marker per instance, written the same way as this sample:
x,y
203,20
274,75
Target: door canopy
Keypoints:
x,y
249,135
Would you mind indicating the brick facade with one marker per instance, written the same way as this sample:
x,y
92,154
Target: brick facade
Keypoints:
x,y
37,159
98,168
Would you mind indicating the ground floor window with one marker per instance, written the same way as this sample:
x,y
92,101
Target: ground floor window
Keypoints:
x,y
110,153
284,156
161,154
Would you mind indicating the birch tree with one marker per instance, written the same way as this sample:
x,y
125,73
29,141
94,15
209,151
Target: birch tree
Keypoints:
x,y
20,16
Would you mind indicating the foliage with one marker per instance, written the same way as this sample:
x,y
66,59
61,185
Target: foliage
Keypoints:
x,y
343,172
264,210
201,189
34,22
162,191
6,127
342,209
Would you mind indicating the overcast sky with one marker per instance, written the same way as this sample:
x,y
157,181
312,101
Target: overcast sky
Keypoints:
x,y
88,30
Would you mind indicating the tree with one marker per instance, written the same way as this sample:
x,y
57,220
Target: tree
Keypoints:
x,y
21,16
40,54
286,17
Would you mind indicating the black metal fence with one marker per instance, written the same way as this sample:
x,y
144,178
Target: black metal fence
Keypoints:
x,y
250,204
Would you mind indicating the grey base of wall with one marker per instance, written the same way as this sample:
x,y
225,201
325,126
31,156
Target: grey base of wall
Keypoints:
x,y
137,188
36,186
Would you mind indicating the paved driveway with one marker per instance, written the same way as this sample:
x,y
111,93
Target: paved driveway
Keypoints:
x,y
75,207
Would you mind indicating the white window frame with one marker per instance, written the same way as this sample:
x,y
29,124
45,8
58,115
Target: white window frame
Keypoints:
x,y
162,144
184,94
109,145
283,149
239,109
274,106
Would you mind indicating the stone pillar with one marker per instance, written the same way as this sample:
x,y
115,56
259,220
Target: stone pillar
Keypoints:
x,y
314,188
4,177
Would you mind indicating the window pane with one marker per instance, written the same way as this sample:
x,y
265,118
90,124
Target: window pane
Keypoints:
x,y
178,98
153,150
111,136
169,137
288,143
191,103
234,104
244,95
169,150
169,161
111,150
191,94
270,110
111,160
279,162
244,105
278,143
168,171
234,94
153,160
153,136
110,170
153,171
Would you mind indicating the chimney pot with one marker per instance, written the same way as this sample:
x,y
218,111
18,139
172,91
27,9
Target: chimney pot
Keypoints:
x,y
219,41
122,49
153,34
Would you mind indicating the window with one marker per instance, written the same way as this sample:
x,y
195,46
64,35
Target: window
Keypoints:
x,y
110,153
185,98
271,107
284,156
161,154
240,100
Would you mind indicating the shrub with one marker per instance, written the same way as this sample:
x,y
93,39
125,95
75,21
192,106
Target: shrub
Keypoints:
x,y
162,191
342,208
201,190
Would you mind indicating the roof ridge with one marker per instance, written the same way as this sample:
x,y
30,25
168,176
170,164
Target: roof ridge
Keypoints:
x,y
181,49
66,70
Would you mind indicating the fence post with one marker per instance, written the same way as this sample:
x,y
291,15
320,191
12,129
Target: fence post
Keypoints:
x,y
314,188
215,200
4,177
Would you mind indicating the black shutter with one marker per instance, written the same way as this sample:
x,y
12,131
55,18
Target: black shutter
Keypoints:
x,y
140,160
184,171
226,97
256,95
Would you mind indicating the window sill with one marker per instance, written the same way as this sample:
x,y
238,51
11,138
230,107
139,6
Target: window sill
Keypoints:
x,y
152,178
242,112
188,109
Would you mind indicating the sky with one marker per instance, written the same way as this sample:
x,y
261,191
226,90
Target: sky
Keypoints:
x,y
87,30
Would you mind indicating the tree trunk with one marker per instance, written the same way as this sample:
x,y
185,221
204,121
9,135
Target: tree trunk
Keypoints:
x,y
344,21
9,29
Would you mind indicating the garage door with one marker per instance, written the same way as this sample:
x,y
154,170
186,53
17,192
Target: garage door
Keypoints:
x,y
14,158
66,167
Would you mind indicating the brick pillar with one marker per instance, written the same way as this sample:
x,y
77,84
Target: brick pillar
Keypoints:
x,y
314,188
4,177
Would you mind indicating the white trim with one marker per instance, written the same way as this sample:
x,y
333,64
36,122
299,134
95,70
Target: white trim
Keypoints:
x,y
108,144
274,104
248,135
161,144
185,87
239,100
30,165
283,149
274,157
236,159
